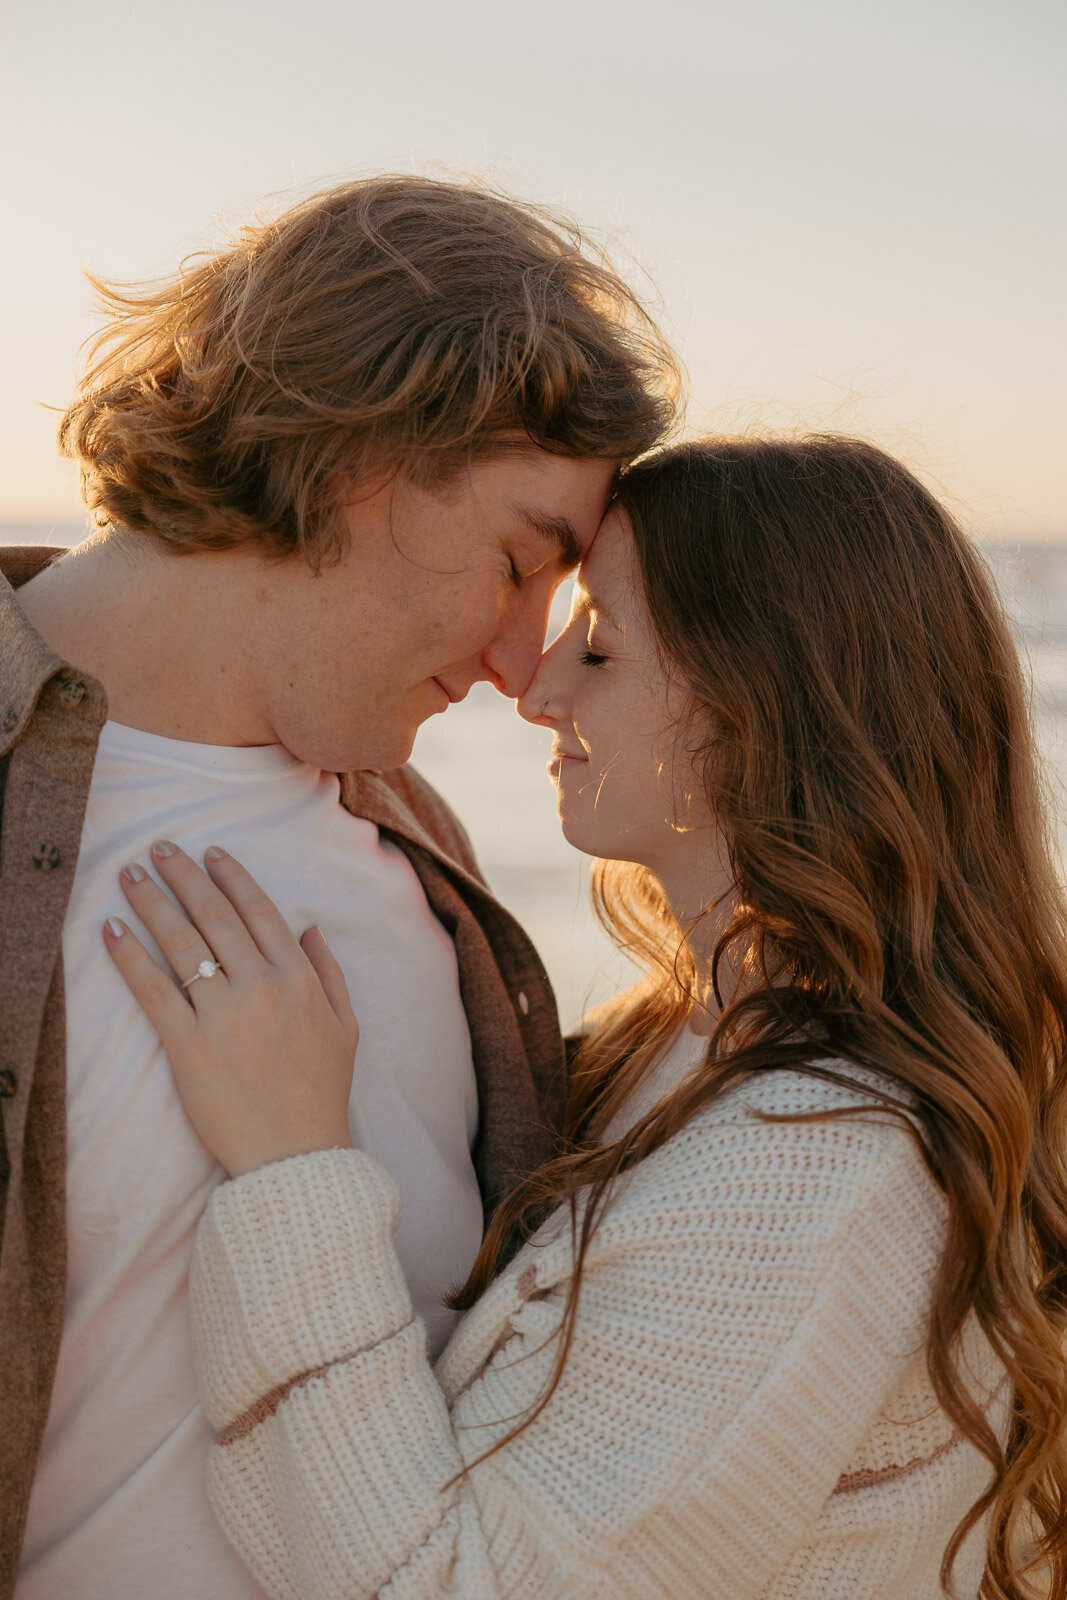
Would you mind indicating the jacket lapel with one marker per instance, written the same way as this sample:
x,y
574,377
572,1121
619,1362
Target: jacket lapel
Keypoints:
x,y
511,1010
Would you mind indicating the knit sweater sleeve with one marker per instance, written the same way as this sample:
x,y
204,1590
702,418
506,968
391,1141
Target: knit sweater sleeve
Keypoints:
x,y
748,1303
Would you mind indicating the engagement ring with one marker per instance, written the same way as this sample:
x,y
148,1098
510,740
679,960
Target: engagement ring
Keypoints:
x,y
206,969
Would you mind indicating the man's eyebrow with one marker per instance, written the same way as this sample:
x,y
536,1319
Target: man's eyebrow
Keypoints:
x,y
557,529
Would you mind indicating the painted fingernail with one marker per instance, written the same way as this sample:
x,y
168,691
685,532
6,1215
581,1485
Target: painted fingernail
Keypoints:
x,y
214,852
135,873
163,847
115,928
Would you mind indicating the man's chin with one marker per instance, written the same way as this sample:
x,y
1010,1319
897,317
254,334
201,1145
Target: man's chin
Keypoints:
x,y
383,748
382,754
387,754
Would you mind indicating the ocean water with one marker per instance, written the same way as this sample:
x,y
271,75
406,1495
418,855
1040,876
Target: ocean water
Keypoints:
x,y
490,765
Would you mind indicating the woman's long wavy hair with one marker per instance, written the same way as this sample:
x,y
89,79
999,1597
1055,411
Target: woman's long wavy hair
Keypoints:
x,y
870,762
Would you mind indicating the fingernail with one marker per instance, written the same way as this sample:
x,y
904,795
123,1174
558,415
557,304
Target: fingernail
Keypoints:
x,y
135,873
163,847
214,852
115,928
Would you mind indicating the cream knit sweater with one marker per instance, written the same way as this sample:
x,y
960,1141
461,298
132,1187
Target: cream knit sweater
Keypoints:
x,y
745,1411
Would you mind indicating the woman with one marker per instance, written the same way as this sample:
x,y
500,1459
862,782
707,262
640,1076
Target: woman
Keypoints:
x,y
788,1318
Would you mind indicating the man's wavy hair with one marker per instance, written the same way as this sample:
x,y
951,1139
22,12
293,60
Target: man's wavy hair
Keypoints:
x,y
392,323
862,717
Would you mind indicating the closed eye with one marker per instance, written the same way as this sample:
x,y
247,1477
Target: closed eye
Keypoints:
x,y
520,579
589,659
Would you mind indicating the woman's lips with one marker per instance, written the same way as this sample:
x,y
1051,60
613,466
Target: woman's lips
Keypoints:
x,y
561,759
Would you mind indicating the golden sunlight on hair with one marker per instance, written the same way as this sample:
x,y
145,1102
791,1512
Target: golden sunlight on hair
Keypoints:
x,y
392,323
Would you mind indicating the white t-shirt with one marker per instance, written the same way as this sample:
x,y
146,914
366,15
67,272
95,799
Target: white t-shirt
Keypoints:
x,y
119,1510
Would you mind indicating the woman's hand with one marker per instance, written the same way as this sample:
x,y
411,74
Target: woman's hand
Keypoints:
x,y
262,1051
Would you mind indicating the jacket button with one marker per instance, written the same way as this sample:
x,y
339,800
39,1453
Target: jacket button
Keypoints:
x,y
47,857
8,1084
72,693
524,1004
11,716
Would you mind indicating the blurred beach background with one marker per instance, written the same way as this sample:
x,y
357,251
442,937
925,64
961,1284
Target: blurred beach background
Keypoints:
x,y
848,216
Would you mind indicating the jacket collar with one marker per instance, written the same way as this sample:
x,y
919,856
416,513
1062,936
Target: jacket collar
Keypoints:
x,y
26,662
398,802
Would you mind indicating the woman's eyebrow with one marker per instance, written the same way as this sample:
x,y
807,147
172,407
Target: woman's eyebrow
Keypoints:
x,y
558,530
587,604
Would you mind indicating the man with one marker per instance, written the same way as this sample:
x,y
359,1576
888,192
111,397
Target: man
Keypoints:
x,y
339,470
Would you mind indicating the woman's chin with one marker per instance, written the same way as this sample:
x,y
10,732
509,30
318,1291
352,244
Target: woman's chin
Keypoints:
x,y
583,833
575,830
594,838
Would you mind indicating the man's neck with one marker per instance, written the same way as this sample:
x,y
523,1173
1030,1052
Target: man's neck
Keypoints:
x,y
166,635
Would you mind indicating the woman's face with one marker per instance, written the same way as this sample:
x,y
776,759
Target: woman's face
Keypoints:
x,y
626,780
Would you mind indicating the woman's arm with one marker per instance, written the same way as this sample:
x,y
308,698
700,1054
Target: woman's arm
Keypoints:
x,y
748,1303
750,1298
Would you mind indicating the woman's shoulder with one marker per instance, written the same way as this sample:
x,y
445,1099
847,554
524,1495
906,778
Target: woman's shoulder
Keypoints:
x,y
808,1148
786,1190
790,1103
829,1087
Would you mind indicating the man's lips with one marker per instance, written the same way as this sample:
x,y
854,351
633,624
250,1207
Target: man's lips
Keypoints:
x,y
454,695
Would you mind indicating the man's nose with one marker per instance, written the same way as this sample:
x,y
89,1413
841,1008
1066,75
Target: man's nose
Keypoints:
x,y
513,655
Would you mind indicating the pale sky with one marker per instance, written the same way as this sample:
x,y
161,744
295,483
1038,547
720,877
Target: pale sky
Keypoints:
x,y
854,213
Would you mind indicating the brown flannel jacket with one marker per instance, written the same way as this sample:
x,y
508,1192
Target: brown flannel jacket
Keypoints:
x,y
50,720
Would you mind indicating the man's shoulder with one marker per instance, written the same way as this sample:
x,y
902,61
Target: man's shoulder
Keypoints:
x,y
404,803
21,562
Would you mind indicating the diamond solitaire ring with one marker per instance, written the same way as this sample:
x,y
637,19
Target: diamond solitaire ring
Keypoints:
x,y
206,969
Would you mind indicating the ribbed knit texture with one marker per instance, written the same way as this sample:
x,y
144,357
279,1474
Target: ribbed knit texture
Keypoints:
x,y
744,1413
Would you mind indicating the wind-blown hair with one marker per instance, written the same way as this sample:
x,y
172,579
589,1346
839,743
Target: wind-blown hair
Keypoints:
x,y
868,755
395,324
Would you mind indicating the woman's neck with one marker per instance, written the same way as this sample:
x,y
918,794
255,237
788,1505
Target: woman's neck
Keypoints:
x,y
699,888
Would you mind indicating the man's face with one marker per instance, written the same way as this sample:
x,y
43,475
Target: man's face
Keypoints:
x,y
438,589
